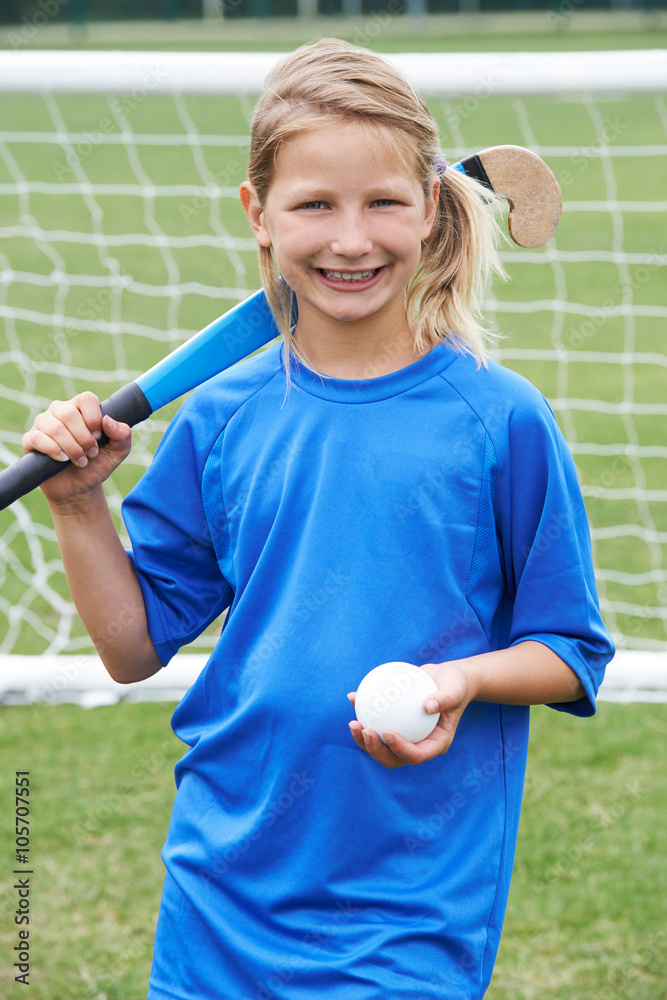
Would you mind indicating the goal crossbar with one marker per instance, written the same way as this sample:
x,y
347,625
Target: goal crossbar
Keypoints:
x,y
457,74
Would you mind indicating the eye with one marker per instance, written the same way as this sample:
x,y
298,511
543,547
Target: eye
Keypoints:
x,y
382,202
313,205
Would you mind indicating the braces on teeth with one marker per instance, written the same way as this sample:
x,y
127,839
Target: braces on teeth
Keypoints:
x,y
349,275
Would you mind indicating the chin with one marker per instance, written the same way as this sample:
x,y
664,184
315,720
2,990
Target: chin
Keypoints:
x,y
349,316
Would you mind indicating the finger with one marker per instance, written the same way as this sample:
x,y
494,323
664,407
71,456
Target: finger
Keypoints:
x,y
91,412
36,440
417,753
378,750
433,705
352,696
64,423
115,430
452,688
444,700
355,729
71,415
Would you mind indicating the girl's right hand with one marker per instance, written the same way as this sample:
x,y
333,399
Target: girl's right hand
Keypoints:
x,y
71,430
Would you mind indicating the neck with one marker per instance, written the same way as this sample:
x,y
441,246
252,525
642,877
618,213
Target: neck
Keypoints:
x,y
354,350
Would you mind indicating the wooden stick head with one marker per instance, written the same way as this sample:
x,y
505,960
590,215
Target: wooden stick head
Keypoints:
x,y
530,187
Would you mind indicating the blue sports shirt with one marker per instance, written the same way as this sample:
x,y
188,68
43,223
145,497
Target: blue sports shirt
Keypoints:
x,y
425,515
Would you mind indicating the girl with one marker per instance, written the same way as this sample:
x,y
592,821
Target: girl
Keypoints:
x,y
404,499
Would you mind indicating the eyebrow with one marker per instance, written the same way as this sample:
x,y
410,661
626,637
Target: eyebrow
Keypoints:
x,y
316,193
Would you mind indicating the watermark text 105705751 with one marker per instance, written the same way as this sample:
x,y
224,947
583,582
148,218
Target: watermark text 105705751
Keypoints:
x,y
22,881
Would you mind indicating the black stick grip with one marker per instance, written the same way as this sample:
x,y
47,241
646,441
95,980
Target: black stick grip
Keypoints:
x,y
128,405
474,167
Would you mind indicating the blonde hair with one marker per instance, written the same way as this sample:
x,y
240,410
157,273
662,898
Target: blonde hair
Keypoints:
x,y
335,80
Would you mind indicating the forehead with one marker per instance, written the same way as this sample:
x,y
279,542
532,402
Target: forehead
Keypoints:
x,y
345,150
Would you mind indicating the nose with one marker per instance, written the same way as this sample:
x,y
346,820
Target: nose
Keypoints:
x,y
350,237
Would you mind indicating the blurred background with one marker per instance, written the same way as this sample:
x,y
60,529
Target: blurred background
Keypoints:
x,y
82,11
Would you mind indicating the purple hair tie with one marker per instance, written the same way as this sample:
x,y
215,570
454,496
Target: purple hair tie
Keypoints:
x,y
440,165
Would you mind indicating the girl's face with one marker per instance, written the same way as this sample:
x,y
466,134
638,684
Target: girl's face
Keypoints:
x,y
346,219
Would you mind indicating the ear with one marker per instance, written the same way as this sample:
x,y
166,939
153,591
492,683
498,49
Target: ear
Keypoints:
x,y
430,209
255,213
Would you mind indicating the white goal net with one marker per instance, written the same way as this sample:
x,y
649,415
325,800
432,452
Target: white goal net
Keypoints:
x,y
122,235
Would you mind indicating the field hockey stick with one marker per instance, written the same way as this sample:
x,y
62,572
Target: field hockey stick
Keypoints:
x,y
527,183
510,171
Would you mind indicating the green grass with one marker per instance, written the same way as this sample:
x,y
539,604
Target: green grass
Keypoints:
x,y
586,910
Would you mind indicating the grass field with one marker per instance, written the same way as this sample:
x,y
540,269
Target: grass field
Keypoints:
x,y
586,910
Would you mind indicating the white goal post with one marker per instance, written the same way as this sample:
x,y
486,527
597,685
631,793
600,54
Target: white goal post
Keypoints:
x,y
434,74
119,225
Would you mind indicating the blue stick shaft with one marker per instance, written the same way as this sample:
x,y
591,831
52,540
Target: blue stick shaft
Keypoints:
x,y
233,336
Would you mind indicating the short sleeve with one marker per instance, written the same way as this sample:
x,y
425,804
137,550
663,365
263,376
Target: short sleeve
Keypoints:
x,y
172,550
546,546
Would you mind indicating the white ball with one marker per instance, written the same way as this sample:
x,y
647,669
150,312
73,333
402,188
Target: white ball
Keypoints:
x,y
392,696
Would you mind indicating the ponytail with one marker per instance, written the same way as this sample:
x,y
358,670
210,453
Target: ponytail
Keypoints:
x,y
459,258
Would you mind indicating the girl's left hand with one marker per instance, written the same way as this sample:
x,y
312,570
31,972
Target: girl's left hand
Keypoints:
x,y
453,694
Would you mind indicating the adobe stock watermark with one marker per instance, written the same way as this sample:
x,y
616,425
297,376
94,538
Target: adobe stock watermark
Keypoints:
x,y
90,308
474,781
567,865
579,335
377,23
384,697
622,980
268,478
549,533
459,975
103,807
220,8
653,607
230,175
121,107
386,359
561,16
341,914
457,112
428,489
608,478
461,623
582,157
50,691
300,784
44,11
332,582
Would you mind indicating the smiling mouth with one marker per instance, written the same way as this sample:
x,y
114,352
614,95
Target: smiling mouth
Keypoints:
x,y
350,276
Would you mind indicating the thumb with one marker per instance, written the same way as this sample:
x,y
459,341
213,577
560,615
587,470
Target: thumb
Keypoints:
x,y
450,695
432,706
118,439
115,430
